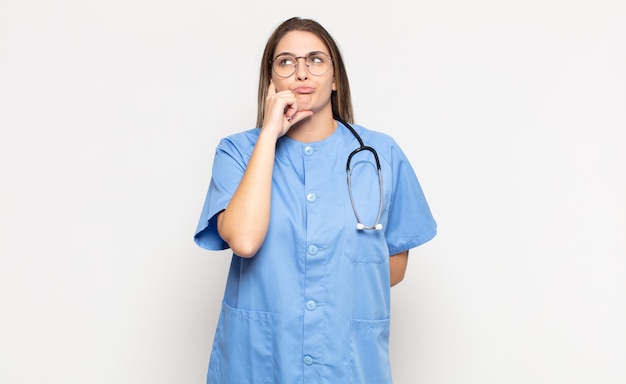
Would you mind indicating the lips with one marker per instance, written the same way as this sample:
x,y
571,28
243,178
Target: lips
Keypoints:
x,y
304,90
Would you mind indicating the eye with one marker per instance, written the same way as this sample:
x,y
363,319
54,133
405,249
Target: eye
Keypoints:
x,y
285,61
317,59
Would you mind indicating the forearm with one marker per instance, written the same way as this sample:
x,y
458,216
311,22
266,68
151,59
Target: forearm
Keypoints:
x,y
244,222
397,267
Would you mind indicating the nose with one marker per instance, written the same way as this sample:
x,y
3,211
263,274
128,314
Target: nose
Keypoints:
x,y
301,71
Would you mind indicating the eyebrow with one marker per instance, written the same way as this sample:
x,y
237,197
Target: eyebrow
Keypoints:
x,y
294,55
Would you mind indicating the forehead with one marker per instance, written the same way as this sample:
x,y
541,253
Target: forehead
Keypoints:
x,y
300,43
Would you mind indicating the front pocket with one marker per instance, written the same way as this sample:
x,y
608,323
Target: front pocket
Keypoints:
x,y
242,351
369,349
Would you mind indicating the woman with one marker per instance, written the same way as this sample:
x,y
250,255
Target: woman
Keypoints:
x,y
314,256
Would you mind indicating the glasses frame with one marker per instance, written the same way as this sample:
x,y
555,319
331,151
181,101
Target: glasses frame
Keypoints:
x,y
306,65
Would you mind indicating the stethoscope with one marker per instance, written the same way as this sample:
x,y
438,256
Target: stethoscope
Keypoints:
x,y
360,226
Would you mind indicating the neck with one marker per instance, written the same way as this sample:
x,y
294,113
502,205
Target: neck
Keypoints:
x,y
314,128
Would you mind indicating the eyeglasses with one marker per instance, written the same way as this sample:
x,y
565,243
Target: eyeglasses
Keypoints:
x,y
316,63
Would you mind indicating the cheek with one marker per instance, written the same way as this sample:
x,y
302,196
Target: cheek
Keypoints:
x,y
279,84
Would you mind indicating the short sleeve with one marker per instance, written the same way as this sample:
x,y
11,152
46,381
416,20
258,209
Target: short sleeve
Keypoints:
x,y
410,221
228,167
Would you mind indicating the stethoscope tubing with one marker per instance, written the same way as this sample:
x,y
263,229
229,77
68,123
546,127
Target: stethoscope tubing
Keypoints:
x,y
362,147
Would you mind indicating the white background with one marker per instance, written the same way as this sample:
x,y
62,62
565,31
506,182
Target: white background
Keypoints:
x,y
512,112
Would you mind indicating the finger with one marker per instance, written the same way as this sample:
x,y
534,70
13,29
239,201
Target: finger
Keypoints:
x,y
299,116
271,89
290,110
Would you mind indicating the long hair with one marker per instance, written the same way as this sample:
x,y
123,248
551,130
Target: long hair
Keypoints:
x,y
340,98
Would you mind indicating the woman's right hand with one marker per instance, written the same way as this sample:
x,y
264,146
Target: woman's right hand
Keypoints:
x,y
244,222
281,111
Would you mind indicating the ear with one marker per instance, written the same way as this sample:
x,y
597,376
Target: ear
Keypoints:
x,y
334,86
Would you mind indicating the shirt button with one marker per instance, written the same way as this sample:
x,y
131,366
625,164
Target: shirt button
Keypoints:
x,y
310,305
308,150
311,197
308,360
312,249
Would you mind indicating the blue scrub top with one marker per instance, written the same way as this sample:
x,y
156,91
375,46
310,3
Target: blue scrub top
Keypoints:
x,y
312,306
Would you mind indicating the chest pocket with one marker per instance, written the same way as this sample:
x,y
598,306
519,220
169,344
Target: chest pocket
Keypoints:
x,y
367,245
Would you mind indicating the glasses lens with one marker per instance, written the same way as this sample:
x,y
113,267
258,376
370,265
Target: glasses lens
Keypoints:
x,y
284,65
318,63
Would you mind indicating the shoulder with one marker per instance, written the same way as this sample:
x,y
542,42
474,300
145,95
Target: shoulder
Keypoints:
x,y
249,136
375,138
386,147
241,142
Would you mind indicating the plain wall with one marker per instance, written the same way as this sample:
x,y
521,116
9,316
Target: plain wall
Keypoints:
x,y
513,114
